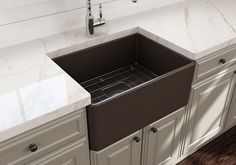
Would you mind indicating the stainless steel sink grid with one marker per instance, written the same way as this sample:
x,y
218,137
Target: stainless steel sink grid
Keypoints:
x,y
116,82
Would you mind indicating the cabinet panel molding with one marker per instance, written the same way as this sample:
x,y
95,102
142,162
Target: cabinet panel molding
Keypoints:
x,y
124,152
231,118
162,144
47,138
216,62
208,110
76,153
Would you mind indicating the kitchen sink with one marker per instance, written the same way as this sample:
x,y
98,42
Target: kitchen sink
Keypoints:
x,y
133,81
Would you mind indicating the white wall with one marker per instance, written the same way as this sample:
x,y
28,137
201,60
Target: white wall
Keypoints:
x,y
25,20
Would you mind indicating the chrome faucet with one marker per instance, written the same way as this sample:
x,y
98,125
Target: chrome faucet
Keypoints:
x,y
91,23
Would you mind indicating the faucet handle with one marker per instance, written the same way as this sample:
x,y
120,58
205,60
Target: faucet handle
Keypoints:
x,y
89,8
100,11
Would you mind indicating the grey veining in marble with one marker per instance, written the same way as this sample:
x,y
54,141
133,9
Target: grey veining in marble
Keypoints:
x,y
34,87
194,28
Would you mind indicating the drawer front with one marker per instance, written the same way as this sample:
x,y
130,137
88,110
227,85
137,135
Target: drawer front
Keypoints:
x,y
76,153
223,59
47,138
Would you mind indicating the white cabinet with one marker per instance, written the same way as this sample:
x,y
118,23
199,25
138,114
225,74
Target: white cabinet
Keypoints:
x,y
162,139
208,109
231,119
214,63
124,152
46,139
158,144
76,153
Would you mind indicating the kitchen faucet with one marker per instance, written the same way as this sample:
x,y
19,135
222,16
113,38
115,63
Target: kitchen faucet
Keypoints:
x,y
91,23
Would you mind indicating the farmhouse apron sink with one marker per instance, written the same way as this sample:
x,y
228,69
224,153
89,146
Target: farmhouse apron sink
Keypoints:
x,y
133,82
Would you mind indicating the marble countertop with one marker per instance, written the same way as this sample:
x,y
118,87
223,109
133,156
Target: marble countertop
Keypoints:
x,y
194,28
34,90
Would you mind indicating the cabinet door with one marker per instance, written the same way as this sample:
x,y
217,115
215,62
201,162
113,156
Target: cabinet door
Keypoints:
x,y
47,137
161,140
231,119
124,152
76,153
208,109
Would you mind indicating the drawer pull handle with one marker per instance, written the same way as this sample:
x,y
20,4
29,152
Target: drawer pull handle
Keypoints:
x,y
222,61
154,130
33,147
137,139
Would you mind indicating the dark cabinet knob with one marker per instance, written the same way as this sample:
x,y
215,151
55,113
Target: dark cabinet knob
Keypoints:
x,y
137,139
222,61
154,130
33,147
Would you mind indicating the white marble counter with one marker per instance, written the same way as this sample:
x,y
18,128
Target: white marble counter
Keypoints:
x,y
35,90
194,28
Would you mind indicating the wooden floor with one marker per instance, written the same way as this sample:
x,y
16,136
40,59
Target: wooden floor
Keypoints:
x,y
221,151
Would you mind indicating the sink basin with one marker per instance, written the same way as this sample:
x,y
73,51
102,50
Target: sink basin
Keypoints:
x,y
133,82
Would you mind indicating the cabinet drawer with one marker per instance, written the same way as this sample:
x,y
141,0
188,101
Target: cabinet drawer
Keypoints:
x,y
47,138
216,62
76,153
